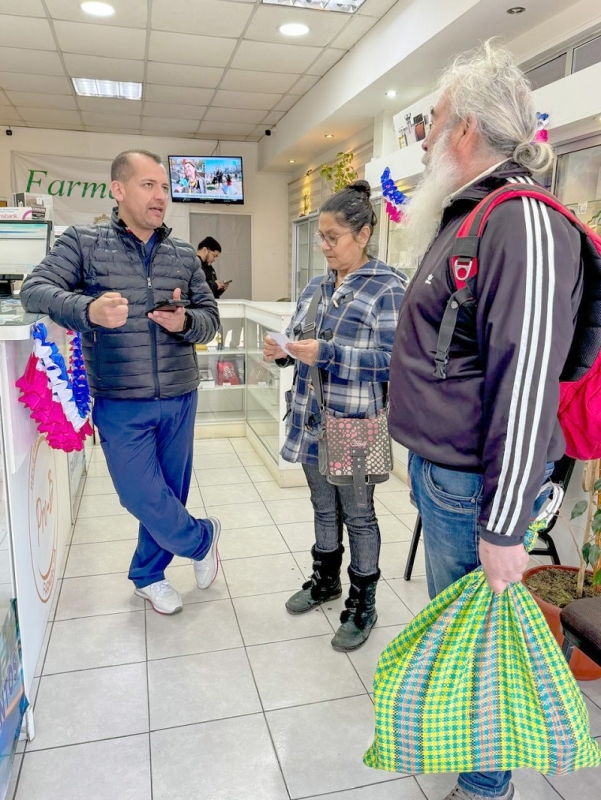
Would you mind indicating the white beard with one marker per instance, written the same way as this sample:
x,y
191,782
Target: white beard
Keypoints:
x,y
422,218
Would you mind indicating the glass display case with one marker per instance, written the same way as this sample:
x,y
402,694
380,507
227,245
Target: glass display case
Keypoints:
x,y
266,387
263,389
222,365
240,394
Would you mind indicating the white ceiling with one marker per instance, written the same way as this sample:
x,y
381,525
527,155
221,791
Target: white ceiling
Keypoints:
x,y
209,68
406,51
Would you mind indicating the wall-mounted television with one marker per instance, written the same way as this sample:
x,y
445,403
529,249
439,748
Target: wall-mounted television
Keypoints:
x,y
206,179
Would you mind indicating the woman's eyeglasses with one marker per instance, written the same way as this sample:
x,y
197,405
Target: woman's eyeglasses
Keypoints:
x,y
331,239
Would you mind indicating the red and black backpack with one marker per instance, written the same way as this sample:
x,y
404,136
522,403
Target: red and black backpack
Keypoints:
x,y
580,381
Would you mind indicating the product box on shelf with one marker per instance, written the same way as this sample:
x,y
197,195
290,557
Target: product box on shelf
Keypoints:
x,y
207,381
33,200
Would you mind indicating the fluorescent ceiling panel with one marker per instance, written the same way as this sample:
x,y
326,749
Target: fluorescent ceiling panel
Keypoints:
x,y
344,6
90,87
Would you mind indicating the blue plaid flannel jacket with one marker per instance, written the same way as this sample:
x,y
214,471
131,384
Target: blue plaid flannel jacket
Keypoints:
x,y
355,324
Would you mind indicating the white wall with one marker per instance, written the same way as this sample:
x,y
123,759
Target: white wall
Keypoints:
x,y
573,104
266,194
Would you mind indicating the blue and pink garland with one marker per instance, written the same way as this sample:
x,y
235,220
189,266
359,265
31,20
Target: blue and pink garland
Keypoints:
x,y
393,197
59,399
542,123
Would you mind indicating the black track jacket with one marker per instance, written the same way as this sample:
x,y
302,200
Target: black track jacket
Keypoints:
x,y
496,412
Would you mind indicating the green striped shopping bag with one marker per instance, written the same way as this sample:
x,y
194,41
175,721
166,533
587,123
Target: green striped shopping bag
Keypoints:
x,y
477,683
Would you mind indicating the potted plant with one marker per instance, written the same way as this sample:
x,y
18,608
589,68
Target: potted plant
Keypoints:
x,y
339,173
555,586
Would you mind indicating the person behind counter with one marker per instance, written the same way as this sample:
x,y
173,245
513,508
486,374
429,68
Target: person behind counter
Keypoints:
x,y
105,281
208,252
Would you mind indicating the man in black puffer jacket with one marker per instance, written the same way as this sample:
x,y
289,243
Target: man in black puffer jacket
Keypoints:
x,y
105,281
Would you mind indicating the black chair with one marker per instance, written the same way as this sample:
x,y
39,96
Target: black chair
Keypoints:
x,y
581,623
561,475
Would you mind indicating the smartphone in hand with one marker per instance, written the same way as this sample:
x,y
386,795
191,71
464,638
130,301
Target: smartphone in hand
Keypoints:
x,y
169,305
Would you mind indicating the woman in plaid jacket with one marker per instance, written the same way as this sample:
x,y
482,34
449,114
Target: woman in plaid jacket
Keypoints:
x,y
354,327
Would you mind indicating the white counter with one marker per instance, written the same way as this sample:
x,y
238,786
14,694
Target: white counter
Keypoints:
x,y
38,495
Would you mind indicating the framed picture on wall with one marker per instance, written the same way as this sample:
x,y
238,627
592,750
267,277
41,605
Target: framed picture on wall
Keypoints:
x,y
419,126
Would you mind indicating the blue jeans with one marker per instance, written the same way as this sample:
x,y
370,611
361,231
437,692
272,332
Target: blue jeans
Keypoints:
x,y
148,446
449,503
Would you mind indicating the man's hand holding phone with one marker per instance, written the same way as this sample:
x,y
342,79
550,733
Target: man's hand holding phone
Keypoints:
x,y
170,316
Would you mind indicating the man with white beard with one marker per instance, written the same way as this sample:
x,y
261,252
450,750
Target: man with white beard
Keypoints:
x,y
481,427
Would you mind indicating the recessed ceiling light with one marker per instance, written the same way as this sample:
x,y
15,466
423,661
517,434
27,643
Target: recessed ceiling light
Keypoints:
x,y
97,9
516,10
292,161
294,29
391,93
90,87
329,135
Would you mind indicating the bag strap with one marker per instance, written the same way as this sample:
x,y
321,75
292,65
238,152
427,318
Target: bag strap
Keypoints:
x,y
464,256
309,331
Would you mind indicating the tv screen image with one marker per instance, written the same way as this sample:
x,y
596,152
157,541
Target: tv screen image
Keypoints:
x,y
206,179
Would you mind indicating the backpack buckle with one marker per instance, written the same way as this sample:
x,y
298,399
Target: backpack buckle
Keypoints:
x,y
462,268
441,360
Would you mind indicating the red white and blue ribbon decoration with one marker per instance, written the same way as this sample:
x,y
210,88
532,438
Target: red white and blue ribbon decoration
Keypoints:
x,y
59,401
393,196
542,123
79,380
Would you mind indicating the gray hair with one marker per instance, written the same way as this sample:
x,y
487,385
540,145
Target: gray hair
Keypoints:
x,y
486,85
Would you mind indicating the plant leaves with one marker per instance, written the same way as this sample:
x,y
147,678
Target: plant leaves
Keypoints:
x,y
586,549
593,555
579,509
597,578
596,523
597,486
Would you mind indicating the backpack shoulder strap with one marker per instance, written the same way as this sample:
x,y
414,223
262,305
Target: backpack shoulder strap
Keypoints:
x,y
464,255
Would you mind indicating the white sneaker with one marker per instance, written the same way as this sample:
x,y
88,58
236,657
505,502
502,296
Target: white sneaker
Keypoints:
x,y
205,571
161,596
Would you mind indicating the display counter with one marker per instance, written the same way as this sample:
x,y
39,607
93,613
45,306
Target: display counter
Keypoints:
x,y
240,394
39,493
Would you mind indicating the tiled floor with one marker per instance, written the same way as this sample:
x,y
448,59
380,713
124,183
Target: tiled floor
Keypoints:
x,y
233,699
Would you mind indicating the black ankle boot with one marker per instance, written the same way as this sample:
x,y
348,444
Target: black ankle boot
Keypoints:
x,y
360,615
323,585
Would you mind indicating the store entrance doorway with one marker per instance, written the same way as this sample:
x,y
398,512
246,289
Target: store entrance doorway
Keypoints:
x,y
233,232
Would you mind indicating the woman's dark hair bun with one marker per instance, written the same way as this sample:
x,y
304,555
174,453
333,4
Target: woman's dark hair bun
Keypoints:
x,y
362,187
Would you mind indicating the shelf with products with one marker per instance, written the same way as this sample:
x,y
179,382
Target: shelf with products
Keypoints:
x,y
231,351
